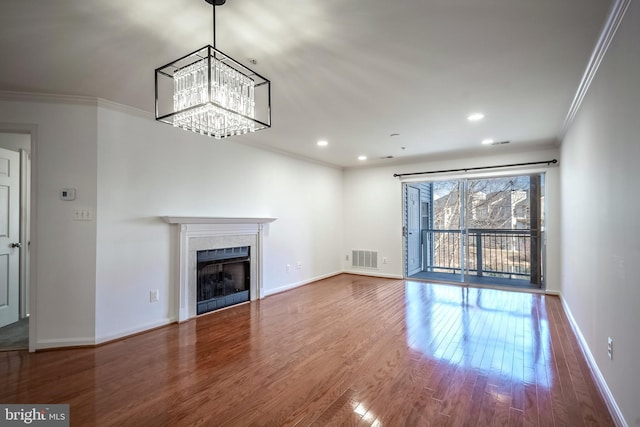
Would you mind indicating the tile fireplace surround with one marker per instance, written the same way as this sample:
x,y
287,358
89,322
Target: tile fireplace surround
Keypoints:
x,y
201,233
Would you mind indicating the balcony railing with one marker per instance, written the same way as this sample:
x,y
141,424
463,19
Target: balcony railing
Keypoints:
x,y
487,252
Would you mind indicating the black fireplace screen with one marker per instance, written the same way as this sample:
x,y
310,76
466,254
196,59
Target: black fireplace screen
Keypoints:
x,y
223,277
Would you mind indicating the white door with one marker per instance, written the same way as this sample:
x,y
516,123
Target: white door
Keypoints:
x,y
9,236
413,231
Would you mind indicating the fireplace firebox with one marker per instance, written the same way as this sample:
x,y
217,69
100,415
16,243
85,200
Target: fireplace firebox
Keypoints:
x,y
223,278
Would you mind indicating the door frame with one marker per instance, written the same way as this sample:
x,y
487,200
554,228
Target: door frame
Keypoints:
x,y
464,178
32,131
408,232
25,232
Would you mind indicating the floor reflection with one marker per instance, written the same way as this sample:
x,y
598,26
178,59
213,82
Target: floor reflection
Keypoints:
x,y
348,350
497,332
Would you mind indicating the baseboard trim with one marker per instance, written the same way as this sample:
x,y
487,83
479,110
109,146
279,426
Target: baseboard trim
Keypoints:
x,y
298,284
609,400
64,343
98,341
374,274
104,339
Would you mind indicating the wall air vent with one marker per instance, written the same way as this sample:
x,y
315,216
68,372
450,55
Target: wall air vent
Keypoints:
x,y
364,259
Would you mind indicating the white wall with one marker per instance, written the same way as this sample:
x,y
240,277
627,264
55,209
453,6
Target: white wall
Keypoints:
x,y
94,277
600,221
148,169
15,141
373,208
65,156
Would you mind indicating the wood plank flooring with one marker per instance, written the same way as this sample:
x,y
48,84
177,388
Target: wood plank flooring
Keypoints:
x,y
345,351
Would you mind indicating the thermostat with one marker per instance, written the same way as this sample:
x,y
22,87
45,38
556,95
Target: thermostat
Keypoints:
x,y
68,194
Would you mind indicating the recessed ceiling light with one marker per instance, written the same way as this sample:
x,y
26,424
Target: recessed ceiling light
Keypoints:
x,y
362,157
475,117
322,143
488,141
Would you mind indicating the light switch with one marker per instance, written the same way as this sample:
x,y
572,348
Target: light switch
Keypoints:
x,y
82,214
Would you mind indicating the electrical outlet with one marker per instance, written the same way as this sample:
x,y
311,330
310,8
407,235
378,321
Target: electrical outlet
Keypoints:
x,y
385,260
299,265
610,347
154,295
288,267
346,257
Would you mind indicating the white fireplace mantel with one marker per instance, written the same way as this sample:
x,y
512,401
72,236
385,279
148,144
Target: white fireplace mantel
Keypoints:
x,y
214,220
199,233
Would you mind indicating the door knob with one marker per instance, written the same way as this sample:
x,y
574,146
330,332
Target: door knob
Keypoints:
x,y
15,245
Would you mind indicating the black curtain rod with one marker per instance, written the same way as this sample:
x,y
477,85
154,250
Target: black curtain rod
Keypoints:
x,y
547,162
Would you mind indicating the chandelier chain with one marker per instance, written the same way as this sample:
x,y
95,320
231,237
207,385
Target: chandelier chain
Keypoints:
x,y
213,28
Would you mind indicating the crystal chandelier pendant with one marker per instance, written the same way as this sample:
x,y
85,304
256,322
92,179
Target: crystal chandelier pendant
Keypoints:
x,y
229,104
210,93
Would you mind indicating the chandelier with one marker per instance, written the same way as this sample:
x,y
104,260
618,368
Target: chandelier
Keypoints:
x,y
208,92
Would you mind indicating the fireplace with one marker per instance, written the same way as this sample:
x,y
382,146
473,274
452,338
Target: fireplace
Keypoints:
x,y
223,278
210,234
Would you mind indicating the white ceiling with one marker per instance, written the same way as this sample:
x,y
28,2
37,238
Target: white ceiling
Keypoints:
x,y
349,71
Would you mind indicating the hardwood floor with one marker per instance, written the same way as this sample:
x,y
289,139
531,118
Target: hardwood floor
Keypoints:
x,y
349,350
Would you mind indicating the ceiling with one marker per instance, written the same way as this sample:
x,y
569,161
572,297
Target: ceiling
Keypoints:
x,y
351,72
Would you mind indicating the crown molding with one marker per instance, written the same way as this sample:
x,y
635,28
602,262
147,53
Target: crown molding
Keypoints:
x,y
133,111
6,95
55,98
280,152
614,18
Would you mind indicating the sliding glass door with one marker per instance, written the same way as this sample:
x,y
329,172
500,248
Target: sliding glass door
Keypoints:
x,y
446,232
485,230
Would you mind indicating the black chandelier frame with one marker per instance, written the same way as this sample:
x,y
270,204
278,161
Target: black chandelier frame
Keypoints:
x,y
164,85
